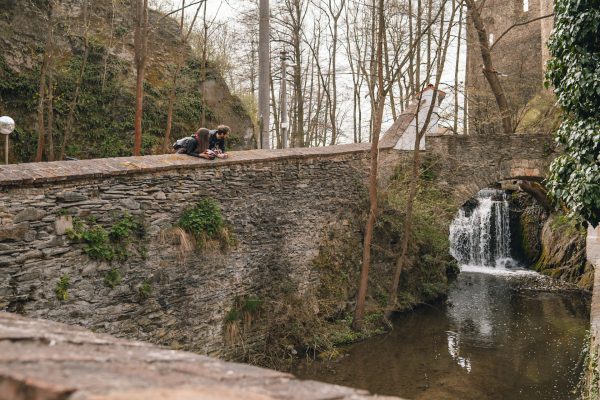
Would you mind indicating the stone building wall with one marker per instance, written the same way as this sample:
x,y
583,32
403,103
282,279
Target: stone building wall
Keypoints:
x,y
277,208
517,57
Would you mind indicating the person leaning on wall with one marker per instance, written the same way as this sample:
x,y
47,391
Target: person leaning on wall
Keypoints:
x,y
195,145
216,140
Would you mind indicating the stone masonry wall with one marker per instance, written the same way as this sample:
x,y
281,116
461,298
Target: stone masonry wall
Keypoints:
x,y
517,57
279,204
468,163
45,360
276,205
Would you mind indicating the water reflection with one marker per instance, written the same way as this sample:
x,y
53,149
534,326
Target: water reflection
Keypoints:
x,y
487,342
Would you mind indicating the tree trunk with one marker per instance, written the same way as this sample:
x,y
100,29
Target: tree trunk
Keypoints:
x,y
141,44
78,83
110,44
456,68
42,90
490,73
416,164
298,135
538,192
203,66
379,102
264,68
173,91
50,111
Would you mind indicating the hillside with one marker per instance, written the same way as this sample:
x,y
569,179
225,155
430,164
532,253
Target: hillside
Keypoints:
x,y
103,124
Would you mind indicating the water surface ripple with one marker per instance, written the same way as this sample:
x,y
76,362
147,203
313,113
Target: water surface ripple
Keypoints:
x,y
487,341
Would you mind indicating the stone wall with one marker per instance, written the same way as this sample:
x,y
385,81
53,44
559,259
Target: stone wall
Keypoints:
x,y
277,206
592,382
468,163
517,57
45,360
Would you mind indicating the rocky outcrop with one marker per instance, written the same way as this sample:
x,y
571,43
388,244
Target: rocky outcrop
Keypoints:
x,y
552,244
104,117
531,222
563,252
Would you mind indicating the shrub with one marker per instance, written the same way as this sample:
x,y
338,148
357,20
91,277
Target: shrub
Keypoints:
x,y
204,222
62,287
113,278
145,290
574,73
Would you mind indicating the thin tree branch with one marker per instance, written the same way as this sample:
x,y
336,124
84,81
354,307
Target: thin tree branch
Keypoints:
x,y
517,25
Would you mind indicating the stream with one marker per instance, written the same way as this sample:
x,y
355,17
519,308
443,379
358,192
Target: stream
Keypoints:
x,y
491,338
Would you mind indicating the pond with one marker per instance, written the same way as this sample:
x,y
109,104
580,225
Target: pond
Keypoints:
x,y
488,341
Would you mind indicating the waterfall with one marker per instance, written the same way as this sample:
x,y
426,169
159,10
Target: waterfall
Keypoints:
x,y
481,235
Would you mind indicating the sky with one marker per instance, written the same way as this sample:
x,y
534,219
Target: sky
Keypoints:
x,y
226,11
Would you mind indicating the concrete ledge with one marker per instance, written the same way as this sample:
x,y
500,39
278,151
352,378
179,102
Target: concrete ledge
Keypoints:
x,y
32,173
46,360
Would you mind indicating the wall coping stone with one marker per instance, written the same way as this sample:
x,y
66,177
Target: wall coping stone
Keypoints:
x,y
49,360
44,172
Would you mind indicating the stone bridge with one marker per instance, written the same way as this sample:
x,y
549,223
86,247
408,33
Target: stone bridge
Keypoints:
x,y
279,204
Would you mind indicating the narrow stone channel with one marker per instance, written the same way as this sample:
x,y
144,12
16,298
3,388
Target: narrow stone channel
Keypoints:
x,y
492,339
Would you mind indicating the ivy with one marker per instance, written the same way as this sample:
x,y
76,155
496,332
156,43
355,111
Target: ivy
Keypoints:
x,y
575,73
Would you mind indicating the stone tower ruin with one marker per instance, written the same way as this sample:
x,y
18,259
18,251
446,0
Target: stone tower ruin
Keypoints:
x,y
519,58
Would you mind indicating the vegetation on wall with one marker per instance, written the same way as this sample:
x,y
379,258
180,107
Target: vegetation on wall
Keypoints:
x,y
145,290
205,223
574,73
241,316
315,322
425,278
115,244
62,288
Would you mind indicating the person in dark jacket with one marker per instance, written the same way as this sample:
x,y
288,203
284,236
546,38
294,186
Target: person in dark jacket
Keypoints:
x,y
216,139
194,145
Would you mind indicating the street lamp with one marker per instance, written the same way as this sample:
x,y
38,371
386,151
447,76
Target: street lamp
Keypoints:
x,y
7,126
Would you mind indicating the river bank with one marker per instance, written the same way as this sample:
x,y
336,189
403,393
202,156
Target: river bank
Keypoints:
x,y
496,337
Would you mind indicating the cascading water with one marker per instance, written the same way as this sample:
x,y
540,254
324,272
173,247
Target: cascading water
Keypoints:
x,y
481,235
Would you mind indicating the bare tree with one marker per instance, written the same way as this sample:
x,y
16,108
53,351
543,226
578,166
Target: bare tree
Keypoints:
x,y
490,73
46,60
74,100
416,164
140,13
179,65
377,93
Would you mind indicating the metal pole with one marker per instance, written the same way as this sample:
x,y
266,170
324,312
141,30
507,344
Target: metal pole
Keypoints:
x,y
283,105
264,72
6,150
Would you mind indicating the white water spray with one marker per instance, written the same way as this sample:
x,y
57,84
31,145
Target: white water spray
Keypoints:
x,y
481,236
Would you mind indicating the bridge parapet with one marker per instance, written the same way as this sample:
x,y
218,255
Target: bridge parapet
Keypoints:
x,y
470,163
51,361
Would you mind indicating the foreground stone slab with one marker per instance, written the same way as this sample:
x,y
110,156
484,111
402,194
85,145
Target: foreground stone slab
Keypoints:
x,y
45,360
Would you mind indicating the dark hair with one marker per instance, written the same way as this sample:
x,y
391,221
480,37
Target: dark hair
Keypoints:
x,y
223,129
201,136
